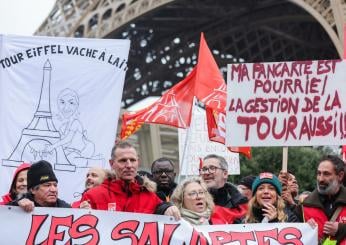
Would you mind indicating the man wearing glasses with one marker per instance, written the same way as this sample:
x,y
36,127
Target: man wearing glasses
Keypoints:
x,y
214,172
163,173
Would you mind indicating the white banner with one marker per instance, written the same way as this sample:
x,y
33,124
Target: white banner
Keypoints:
x,y
194,143
286,103
59,101
78,226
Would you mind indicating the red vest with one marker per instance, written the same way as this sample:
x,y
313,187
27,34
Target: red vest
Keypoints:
x,y
320,217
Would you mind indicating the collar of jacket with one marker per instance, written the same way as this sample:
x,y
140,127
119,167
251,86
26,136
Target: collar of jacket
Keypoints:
x,y
314,199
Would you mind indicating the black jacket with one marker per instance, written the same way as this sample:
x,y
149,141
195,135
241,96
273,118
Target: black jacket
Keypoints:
x,y
291,217
59,203
164,193
228,196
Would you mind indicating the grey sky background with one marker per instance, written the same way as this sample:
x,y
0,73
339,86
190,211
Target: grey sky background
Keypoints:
x,y
23,17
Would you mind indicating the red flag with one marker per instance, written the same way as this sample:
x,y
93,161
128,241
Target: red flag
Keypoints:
x,y
344,146
344,153
211,89
210,85
217,131
173,108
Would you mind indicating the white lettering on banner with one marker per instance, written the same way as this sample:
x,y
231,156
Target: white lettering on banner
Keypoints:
x,y
286,103
78,226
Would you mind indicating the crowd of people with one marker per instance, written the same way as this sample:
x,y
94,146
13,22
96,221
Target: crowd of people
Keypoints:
x,y
205,199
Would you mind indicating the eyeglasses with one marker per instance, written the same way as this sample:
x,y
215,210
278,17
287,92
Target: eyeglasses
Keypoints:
x,y
195,194
161,171
210,169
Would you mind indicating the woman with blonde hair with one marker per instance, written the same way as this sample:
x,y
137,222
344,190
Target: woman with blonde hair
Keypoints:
x,y
267,205
196,205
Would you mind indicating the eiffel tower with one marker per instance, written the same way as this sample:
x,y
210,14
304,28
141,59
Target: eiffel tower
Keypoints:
x,y
39,133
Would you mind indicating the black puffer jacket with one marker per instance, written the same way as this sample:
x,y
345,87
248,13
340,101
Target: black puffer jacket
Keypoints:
x,y
228,196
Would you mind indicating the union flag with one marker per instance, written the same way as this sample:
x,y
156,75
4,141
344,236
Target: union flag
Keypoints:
x,y
173,109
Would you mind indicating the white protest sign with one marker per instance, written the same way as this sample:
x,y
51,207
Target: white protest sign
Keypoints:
x,y
286,103
78,226
194,144
59,101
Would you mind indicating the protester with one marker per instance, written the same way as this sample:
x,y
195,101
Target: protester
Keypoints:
x,y
127,191
42,188
94,177
290,189
214,172
245,186
18,185
325,207
162,170
267,205
196,204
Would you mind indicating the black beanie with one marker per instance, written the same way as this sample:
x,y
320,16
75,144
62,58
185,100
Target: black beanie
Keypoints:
x,y
247,181
39,173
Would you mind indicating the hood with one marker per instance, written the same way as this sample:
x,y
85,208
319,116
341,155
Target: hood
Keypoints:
x,y
20,168
140,184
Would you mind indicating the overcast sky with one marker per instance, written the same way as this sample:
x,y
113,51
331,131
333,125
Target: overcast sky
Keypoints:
x,y
23,17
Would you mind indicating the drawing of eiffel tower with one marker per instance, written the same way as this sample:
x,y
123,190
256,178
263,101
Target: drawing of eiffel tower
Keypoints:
x,y
39,133
218,97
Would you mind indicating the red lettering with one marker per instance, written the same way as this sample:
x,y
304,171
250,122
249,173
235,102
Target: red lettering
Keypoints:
x,y
150,234
220,237
263,122
261,235
248,121
280,134
325,66
292,124
335,103
258,70
125,230
293,235
36,223
242,71
85,220
54,235
168,231
243,237
198,238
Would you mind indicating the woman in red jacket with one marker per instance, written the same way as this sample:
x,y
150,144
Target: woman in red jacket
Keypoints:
x,y
18,185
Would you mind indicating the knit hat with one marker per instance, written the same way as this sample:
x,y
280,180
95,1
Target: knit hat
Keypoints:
x,y
39,173
268,178
247,181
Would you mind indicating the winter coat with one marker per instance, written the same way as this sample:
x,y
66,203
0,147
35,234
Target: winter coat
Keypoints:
x,y
222,215
10,197
59,203
313,207
138,196
229,197
291,216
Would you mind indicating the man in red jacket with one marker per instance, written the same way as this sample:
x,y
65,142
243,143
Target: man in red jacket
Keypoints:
x,y
329,196
126,191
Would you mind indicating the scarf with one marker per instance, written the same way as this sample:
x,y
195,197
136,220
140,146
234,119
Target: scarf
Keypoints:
x,y
195,218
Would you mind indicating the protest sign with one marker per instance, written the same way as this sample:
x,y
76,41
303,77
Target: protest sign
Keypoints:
x,y
59,101
78,226
286,103
194,143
